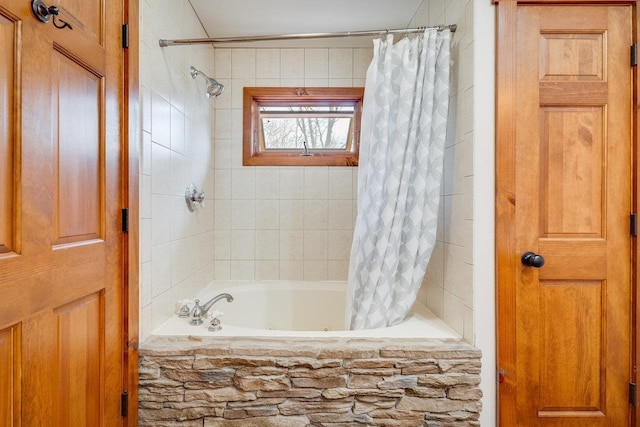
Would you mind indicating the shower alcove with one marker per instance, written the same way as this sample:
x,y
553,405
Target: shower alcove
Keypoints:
x,y
283,223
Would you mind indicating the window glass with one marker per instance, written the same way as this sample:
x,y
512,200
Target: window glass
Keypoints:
x,y
319,128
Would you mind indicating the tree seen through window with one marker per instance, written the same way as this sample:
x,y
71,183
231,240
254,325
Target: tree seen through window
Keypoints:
x,y
322,128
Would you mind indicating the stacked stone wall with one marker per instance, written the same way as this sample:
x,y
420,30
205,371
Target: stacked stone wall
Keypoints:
x,y
224,382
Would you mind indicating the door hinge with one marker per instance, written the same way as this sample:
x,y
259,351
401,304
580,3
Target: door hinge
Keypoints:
x,y
125,220
125,36
633,394
634,55
124,403
500,375
634,224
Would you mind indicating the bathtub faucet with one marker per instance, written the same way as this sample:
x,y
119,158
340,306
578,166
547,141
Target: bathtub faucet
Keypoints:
x,y
200,310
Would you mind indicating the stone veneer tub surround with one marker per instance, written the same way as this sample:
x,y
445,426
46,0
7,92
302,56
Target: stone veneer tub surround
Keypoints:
x,y
289,382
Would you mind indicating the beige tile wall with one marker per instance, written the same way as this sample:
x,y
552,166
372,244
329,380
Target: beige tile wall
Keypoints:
x,y
286,223
448,286
176,246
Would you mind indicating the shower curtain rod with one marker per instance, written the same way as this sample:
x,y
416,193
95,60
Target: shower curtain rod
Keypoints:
x,y
178,42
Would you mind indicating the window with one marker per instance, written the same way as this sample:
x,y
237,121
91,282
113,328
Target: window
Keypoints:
x,y
301,126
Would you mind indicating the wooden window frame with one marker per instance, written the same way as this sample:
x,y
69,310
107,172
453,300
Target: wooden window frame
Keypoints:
x,y
253,153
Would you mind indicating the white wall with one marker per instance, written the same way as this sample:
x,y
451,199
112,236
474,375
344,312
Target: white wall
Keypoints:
x,y
484,206
287,223
176,246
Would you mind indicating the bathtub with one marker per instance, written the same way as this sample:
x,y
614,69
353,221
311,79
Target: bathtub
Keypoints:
x,y
296,309
282,358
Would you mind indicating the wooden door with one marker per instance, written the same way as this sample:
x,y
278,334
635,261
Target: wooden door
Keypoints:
x,y
61,312
564,193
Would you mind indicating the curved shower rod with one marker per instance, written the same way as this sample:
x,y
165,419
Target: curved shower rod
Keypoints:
x,y
180,42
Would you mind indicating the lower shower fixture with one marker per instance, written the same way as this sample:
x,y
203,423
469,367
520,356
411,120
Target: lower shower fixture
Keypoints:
x,y
214,89
193,197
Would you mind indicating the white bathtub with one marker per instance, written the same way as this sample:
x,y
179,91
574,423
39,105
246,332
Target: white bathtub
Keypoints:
x,y
298,309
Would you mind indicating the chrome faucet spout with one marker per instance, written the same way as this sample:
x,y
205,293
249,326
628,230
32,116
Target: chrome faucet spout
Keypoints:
x,y
207,305
201,310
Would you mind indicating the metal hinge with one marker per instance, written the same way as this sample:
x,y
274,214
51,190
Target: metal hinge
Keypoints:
x,y
124,403
634,224
125,36
633,394
125,220
634,55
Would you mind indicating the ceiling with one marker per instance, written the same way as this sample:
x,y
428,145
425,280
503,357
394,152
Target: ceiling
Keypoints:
x,y
224,18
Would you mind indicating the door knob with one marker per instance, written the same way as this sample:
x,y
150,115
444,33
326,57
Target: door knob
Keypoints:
x,y
531,259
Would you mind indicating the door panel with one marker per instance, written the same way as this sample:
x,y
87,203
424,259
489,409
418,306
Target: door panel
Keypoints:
x,y
9,391
570,350
561,321
80,344
87,14
80,151
572,56
572,181
8,34
63,286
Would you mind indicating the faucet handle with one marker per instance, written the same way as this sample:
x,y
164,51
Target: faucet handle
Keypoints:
x,y
215,325
183,309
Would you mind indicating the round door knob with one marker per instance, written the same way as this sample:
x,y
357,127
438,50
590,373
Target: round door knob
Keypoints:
x,y
531,259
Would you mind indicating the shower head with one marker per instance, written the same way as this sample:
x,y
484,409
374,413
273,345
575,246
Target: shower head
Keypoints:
x,y
214,88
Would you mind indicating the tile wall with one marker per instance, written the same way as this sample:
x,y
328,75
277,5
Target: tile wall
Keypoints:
x,y
176,246
281,223
270,223
448,286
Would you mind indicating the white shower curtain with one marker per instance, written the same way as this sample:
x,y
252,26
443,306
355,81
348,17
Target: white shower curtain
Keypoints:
x,y
404,123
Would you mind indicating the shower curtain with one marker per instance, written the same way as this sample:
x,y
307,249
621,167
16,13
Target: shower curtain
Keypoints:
x,y
404,123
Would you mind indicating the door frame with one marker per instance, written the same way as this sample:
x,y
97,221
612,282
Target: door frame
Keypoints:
x,y
130,131
507,260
